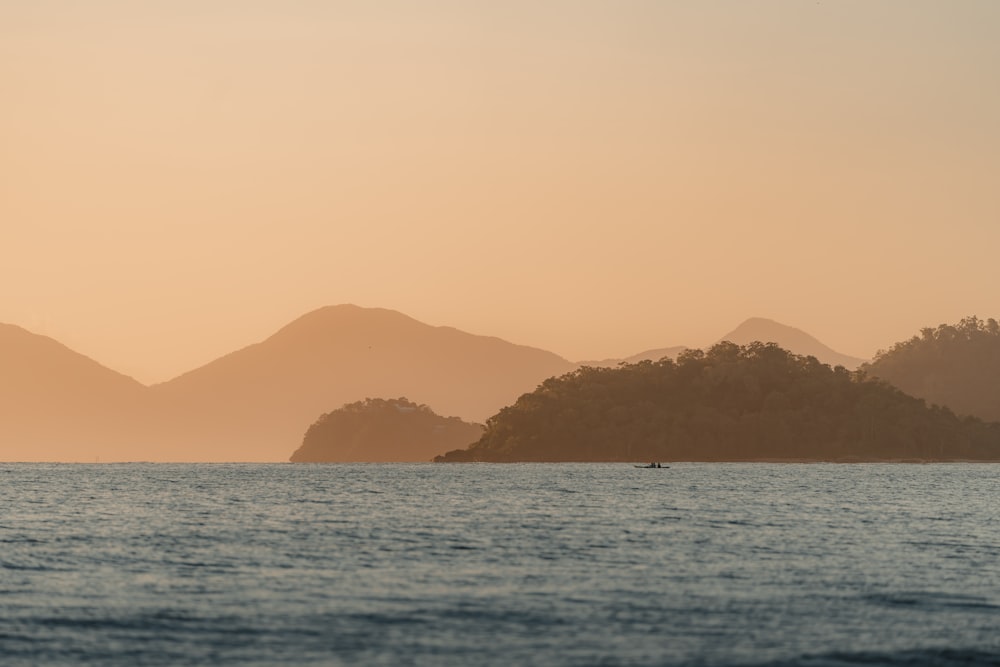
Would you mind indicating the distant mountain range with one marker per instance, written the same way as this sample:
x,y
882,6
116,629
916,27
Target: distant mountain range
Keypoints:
x,y
256,403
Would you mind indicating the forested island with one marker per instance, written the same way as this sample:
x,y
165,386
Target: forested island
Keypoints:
x,y
381,430
953,365
729,403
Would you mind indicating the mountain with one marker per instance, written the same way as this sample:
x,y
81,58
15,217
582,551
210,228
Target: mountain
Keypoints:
x,y
379,430
957,366
58,405
730,403
789,338
254,404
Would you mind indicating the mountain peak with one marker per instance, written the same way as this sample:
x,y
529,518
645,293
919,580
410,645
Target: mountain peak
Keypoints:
x,y
341,314
795,340
765,330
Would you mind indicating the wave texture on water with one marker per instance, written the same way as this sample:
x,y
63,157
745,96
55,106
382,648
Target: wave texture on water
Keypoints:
x,y
478,564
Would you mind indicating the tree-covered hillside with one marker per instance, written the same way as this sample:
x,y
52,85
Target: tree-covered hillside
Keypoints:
x,y
377,429
953,365
731,403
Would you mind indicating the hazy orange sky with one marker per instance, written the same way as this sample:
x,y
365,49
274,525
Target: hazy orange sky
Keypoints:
x,y
181,178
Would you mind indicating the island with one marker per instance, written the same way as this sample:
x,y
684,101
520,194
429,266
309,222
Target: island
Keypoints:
x,y
755,402
383,430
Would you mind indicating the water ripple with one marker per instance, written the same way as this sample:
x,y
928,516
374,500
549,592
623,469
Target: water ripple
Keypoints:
x,y
747,565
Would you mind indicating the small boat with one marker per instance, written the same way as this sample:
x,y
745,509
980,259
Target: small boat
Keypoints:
x,y
652,465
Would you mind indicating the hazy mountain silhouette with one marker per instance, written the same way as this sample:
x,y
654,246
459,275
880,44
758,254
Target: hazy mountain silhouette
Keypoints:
x,y
255,404
58,405
957,366
789,338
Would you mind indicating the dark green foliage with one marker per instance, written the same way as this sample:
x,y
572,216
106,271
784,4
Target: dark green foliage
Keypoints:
x,y
730,403
376,429
957,366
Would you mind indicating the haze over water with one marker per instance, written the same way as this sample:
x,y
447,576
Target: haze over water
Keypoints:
x,y
531,564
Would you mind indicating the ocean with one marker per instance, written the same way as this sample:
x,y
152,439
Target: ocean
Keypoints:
x,y
499,564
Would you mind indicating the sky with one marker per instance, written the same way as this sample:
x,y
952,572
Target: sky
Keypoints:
x,y
181,178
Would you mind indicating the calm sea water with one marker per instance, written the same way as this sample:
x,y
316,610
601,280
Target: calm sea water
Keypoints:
x,y
478,564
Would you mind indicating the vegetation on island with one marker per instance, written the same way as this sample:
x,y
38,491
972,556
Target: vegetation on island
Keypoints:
x,y
377,429
729,403
957,366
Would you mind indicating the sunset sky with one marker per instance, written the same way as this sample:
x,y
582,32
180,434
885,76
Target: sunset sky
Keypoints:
x,y
181,178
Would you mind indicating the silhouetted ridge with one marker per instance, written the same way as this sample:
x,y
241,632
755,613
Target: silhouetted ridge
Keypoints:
x,y
57,404
957,366
383,430
733,402
31,359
